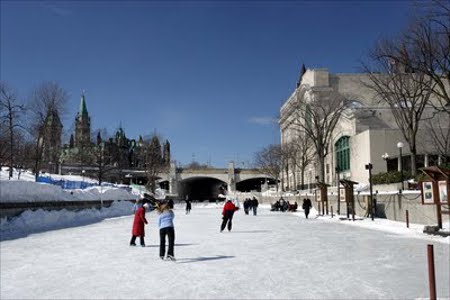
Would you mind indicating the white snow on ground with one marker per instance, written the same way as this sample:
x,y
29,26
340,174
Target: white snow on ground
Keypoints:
x,y
272,255
84,254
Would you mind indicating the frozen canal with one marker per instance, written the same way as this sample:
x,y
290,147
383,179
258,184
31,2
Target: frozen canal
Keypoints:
x,y
273,255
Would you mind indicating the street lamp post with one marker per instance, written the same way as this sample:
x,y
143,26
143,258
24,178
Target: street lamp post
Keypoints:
x,y
400,146
338,192
385,157
369,167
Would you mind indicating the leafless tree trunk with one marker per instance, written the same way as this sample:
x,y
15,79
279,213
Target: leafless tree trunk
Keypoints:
x,y
269,161
317,118
429,37
46,97
154,163
11,113
396,80
302,154
438,135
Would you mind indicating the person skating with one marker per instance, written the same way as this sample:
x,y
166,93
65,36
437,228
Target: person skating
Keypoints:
x,y
255,204
227,215
166,228
246,205
188,205
138,225
306,206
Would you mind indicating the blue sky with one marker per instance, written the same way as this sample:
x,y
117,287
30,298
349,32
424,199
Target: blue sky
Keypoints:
x,y
206,75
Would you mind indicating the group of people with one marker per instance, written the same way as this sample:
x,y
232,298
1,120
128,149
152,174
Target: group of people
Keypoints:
x,y
166,217
165,224
280,205
251,205
283,205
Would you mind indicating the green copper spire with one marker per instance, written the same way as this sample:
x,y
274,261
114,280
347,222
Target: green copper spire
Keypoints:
x,y
83,109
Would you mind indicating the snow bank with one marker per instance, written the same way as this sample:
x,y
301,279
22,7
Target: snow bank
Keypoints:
x,y
40,220
28,191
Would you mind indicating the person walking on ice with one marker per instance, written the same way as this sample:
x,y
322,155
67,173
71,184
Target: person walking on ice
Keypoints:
x,y
227,215
306,206
138,225
166,228
188,205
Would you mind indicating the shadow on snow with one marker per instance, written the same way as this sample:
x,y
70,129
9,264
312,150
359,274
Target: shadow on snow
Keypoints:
x,y
202,258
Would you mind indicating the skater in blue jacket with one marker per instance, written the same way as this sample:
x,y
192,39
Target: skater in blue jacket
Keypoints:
x,y
166,228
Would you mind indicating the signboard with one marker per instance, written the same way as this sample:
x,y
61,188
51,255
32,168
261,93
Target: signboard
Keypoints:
x,y
342,195
443,192
427,192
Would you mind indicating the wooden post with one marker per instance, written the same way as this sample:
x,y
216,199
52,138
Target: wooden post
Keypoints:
x,y
431,273
436,201
407,218
331,207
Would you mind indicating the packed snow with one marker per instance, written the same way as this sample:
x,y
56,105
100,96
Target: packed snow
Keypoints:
x,y
273,255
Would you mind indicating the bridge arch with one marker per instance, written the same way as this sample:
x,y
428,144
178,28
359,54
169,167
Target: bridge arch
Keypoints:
x,y
200,188
254,183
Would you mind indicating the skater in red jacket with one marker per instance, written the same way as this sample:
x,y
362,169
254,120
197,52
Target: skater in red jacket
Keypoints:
x,y
138,225
228,211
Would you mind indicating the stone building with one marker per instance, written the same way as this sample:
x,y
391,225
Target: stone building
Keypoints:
x,y
366,132
112,155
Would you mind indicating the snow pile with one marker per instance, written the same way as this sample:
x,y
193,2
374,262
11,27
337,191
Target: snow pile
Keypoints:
x,y
26,190
40,220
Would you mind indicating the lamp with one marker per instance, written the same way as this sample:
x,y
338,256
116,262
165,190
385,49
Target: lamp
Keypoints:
x,y
400,146
369,167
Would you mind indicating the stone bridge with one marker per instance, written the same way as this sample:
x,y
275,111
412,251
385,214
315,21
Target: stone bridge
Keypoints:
x,y
198,184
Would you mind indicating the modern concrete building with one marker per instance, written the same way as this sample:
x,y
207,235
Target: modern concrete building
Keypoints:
x,y
366,132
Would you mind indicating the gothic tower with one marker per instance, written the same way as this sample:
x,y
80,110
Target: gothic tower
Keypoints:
x,y
51,141
82,125
166,153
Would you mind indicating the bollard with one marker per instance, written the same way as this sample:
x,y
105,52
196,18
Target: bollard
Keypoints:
x,y
431,276
331,207
407,218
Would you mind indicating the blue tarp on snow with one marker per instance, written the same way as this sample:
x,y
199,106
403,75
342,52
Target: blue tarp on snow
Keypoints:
x,y
65,184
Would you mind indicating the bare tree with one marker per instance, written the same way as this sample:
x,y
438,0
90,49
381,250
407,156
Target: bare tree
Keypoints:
x,y
438,136
11,113
46,98
317,118
301,155
269,161
153,161
395,79
429,37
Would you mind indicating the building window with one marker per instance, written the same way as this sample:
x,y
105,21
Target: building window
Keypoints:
x,y
343,153
308,116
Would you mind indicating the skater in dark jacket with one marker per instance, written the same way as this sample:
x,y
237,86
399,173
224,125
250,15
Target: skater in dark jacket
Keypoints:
x,y
306,206
138,225
246,205
188,205
227,215
254,205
